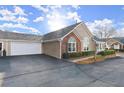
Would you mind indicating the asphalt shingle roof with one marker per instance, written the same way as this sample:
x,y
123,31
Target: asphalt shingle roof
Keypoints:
x,y
59,33
98,39
19,36
120,39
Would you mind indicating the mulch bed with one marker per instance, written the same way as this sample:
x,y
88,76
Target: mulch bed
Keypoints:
x,y
94,60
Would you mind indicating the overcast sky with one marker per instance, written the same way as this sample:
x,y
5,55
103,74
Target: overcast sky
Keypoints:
x,y
44,19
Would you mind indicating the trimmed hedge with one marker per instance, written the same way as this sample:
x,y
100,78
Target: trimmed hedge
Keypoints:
x,y
77,54
121,50
106,52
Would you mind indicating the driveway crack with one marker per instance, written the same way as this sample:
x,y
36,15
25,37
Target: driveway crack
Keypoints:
x,y
96,79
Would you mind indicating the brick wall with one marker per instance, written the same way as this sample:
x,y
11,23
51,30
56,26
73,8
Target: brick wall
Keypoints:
x,y
65,41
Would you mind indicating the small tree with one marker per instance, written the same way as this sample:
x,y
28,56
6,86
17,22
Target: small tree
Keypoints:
x,y
105,32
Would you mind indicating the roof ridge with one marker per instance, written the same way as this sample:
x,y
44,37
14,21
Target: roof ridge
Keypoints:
x,y
19,33
62,28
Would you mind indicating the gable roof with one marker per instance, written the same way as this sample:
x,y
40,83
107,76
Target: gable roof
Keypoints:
x,y
98,39
120,39
19,36
59,33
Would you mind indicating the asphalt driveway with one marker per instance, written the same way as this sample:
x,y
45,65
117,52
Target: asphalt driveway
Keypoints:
x,y
44,71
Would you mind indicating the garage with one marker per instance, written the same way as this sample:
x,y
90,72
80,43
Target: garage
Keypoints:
x,y
25,48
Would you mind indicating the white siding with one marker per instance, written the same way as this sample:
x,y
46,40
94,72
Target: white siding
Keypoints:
x,y
25,48
117,46
82,31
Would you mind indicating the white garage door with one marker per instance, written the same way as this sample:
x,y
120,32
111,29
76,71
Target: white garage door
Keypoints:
x,y
21,48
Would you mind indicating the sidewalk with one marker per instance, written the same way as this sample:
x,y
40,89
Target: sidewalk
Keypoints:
x,y
120,54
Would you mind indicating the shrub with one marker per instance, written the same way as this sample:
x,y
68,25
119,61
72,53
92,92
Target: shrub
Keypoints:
x,y
121,50
65,55
77,54
106,52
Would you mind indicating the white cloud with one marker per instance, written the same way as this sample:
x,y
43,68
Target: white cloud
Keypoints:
x,y
14,19
120,32
39,19
21,26
21,20
16,31
47,8
56,21
76,7
108,23
99,23
5,12
53,7
41,8
19,11
74,16
10,16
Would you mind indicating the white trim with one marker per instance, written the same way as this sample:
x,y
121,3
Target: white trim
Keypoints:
x,y
51,40
88,31
19,40
77,36
84,41
115,40
58,39
116,46
75,43
75,48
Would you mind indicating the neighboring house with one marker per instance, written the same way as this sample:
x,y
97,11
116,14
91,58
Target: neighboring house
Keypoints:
x,y
74,38
100,44
116,43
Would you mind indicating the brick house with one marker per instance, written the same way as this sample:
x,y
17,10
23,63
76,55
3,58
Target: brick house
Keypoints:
x,y
73,38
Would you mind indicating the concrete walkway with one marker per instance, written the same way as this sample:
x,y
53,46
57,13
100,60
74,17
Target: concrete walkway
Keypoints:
x,y
120,54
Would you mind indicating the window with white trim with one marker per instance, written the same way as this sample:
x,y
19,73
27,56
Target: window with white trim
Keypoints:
x,y
71,45
86,44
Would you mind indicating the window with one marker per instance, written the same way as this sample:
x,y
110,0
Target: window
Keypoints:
x,y
86,44
71,45
100,46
